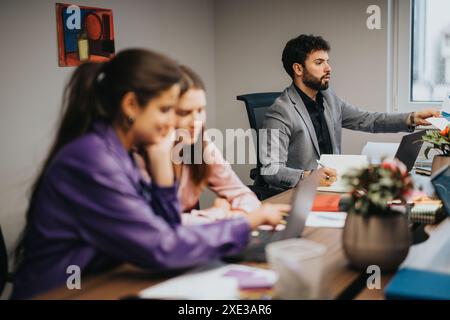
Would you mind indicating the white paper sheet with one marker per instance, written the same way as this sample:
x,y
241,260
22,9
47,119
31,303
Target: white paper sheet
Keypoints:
x,y
444,120
432,254
319,219
375,151
342,163
439,123
206,283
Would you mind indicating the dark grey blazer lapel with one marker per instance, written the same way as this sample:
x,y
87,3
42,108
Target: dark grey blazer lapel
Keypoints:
x,y
303,112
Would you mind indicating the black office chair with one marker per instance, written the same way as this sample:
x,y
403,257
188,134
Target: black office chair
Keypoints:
x,y
4,275
257,105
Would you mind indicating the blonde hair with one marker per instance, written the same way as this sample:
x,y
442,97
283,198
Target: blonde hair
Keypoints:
x,y
200,172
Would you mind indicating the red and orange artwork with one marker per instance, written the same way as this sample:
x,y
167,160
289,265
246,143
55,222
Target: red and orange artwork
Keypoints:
x,y
84,34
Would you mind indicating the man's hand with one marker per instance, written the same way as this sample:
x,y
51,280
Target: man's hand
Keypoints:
x,y
328,176
421,116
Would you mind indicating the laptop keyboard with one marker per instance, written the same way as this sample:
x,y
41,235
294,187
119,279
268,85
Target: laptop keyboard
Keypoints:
x,y
269,236
255,251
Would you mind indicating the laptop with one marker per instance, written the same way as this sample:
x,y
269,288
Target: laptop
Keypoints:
x,y
409,149
441,183
302,202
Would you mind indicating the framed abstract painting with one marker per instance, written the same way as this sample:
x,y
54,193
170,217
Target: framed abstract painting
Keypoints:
x,y
84,34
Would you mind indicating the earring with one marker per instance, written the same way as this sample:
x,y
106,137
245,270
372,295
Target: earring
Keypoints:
x,y
130,120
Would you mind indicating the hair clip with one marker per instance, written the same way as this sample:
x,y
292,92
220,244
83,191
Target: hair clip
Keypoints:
x,y
101,76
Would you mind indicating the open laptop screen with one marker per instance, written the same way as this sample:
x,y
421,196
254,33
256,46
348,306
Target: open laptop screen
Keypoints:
x,y
409,149
441,183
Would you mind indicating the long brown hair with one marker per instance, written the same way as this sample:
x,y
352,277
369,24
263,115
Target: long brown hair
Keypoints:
x,y
200,172
94,92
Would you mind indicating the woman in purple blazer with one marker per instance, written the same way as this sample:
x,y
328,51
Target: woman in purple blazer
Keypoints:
x,y
90,208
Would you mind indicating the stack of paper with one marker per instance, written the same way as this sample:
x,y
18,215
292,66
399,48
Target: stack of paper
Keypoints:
x,y
216,281
325,219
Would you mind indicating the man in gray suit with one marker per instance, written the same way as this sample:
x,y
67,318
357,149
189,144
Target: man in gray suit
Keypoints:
x,y
309,117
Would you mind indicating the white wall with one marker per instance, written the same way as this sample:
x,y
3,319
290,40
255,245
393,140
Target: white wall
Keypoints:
x,y
31,82
250,37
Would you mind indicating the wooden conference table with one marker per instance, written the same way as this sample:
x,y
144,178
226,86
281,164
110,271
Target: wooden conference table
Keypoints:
x,y
126,280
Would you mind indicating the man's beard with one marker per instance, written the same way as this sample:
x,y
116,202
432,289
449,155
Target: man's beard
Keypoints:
x,y
312,82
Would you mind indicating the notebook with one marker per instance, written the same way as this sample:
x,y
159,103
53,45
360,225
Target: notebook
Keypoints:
x,y
411,283
326,202
423,171
430,212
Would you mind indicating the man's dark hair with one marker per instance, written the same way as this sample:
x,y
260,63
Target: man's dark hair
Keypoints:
x,y
298,49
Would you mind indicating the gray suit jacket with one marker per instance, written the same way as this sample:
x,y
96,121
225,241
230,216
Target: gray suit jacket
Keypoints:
x,y
296,147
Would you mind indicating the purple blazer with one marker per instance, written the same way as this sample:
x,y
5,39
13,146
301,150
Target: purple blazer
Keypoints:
x,y
94,211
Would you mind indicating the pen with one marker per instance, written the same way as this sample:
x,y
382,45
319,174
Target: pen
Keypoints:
x,y
319,164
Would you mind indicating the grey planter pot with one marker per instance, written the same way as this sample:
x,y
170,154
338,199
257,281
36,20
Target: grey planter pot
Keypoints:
x,y
375,240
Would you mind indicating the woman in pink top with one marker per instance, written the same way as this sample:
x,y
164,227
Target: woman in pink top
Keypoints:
x,y
213,172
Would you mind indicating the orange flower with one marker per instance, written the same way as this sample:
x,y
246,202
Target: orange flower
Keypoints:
x,y
386,165
445,131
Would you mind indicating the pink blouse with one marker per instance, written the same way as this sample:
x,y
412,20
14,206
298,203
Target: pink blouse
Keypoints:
x,y
223,181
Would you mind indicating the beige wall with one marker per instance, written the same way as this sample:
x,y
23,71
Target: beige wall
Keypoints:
x,y
250,37
31,82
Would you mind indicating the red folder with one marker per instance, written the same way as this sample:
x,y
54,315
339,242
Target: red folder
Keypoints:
x,y
326,202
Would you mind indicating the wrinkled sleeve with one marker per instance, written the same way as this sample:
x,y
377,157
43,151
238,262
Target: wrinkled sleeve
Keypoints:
x,y
114,218
354,118
274,152
226,184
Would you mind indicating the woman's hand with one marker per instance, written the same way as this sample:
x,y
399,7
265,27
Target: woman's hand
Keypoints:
x,y
222,203
160,160
163,148
268,213
225,206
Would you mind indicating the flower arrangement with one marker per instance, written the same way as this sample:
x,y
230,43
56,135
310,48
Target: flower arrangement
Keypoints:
x,y
440,140
375,187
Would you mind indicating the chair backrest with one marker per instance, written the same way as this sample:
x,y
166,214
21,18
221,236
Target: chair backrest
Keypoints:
x,y
257,104
3,262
